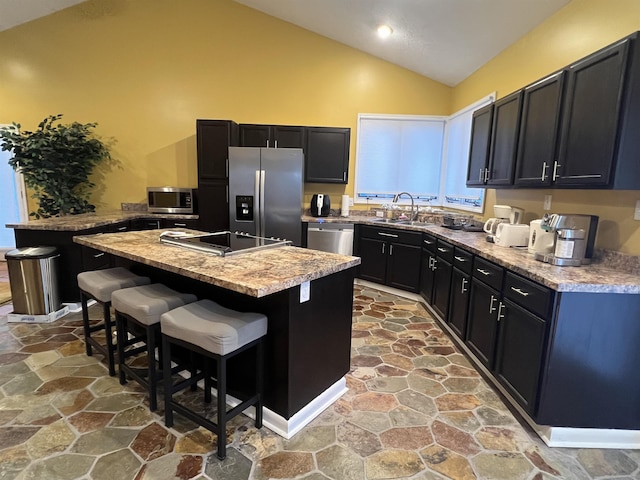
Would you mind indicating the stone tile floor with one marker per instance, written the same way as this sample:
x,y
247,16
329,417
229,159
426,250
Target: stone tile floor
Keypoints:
x,y
415,409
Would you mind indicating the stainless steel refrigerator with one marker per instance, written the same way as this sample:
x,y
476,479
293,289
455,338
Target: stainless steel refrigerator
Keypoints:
x,y
265,192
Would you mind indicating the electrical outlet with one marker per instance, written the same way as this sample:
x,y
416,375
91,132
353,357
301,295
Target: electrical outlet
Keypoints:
x,y
636,213
547,202
350,201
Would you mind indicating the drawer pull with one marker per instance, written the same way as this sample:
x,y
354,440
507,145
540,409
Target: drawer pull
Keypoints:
x,y
388,234
428,242
121,229
179,224
98,255
460,259
484,272
517,290
443,250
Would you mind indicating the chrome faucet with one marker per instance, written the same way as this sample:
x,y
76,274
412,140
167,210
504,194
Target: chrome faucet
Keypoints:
x,y
414,215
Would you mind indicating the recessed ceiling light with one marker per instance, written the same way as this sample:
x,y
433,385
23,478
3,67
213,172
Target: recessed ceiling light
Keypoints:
x,y
384,31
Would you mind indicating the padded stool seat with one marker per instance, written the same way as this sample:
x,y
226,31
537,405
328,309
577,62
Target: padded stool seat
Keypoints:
x,y
141,307
217,333
99,285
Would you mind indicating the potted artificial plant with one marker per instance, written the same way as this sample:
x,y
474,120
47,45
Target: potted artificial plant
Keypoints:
x,y
56,161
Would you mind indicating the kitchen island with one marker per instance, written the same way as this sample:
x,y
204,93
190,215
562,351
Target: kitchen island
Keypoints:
x,y
306,295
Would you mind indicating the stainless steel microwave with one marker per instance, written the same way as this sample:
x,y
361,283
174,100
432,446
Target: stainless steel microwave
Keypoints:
x,y
171,200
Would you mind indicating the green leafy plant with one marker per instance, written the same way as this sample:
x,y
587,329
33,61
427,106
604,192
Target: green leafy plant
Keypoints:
x,y
56,161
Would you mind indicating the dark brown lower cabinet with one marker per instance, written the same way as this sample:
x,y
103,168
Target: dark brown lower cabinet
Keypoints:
x,y
521,341
482,326
459,301
212,197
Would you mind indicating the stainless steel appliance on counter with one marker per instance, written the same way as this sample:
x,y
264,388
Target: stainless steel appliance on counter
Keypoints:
x,y
265,192
574,239
171,200
331,237
223,244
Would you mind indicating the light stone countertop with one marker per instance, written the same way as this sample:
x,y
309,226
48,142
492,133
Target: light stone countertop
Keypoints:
x,y
593,278
85,221
610,276
257,274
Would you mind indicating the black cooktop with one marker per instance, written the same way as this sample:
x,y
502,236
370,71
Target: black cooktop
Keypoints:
x,y
223,243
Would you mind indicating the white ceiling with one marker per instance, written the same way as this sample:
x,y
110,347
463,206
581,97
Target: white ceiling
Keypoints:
x,y
446,40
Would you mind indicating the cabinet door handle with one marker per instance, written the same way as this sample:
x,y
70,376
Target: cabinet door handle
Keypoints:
x,y
179,224
556,165
480,176
460,259
383,246
484,272
464,284
390,249
122,229
276,143
491,307
486,174
226,168
517,290
500,314
98,255
267,143
443,250
434,266
544,170
388,234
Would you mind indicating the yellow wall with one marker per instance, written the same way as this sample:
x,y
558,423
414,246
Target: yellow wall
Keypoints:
x,y
145,70
580,28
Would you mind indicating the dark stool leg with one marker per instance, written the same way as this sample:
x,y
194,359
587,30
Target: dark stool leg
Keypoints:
x,y
85,322
122,329
151,358
222,407
259,382
168,387
108,330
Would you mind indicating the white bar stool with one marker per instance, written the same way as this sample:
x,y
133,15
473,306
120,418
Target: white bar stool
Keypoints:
x,y
137,312
216,333
99,285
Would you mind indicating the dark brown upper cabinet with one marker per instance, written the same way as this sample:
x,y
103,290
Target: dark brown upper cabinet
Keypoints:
x,y
591,117
504,140
213,140
326,155
479,147
539,127
272,136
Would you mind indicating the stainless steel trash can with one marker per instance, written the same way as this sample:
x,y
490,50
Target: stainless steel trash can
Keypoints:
x,y
33,275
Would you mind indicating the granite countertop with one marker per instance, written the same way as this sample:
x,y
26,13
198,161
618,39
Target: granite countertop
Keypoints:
x,y
85,221
257,273
604,276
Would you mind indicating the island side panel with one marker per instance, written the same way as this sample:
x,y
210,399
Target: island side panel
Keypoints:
x,y
308,344
592,378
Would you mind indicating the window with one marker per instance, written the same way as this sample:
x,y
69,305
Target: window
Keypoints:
x,y
424,155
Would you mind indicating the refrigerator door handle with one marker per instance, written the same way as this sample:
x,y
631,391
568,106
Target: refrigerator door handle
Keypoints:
x,y
263,227
257,207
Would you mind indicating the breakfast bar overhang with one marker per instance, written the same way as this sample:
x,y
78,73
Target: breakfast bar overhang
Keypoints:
x,y
307,296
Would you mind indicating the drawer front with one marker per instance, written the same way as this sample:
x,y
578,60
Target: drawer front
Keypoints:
x,y
488,272
391,235
429,242
118,227
529,295
193,224
463,260
444,250
93,259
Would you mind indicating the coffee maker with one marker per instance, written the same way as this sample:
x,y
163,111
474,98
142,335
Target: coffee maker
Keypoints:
x,y
574,239
503,214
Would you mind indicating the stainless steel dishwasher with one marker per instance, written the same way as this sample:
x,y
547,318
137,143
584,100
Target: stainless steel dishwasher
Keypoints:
x,y
331,237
